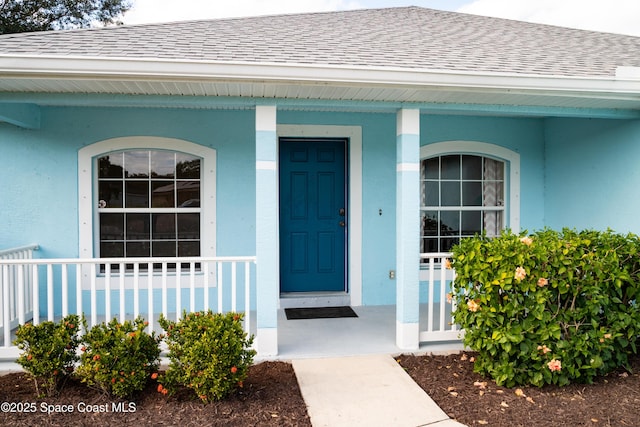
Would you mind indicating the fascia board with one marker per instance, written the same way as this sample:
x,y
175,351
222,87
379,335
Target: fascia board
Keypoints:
x,y
26,66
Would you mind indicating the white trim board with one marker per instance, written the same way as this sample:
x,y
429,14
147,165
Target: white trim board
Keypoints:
x,y
354,135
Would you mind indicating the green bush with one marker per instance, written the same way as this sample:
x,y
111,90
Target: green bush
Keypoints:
x,y
209,353
119,358
48,352
550,308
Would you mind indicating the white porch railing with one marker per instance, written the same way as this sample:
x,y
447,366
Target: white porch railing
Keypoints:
x,y
96,287
438,308
16,285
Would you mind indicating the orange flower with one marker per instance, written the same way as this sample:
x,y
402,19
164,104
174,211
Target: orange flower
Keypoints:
x,y
160,388
521,273
96,357
29,357
526,240
164,391
473,305
542,282
146,323
234,369
554,365
154,375
544,349
240,384
113,380
447,263
449,298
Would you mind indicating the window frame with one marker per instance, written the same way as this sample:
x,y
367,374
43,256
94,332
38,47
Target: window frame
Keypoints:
x,y
88,209
510,158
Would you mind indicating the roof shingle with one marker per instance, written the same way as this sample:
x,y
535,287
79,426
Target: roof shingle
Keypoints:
x,y
404,37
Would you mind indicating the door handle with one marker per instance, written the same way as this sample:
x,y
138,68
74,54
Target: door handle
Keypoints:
x,y
341,212
342,223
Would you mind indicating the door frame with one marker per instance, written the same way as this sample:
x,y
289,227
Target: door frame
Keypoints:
x,y
353,136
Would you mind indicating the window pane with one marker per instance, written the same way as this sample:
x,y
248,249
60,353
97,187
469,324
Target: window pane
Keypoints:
x,y
450,223
136,164
429,223
429,245
111,249
187,166
188,194
471,194
450,167
165,248
110,166
111,226
493,194
111,193
493,223
138,249
430,168
432,193
493,169
162,194
450,193
447,244
162,164
138,227
188,248
164,227
137,194
471,168
471,223
189,226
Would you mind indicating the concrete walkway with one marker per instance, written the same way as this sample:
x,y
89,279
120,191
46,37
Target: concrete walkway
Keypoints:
x,y
365,391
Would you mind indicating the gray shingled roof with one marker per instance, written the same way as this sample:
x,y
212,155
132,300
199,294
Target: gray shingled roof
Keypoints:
x,y
405,37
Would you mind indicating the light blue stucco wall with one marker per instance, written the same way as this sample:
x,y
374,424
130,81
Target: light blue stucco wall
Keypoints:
x,y
39,205
593,174
525,136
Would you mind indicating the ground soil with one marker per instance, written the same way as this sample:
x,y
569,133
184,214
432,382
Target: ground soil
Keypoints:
x,y
613,400
271,396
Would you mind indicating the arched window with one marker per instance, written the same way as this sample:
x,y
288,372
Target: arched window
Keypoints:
x,y
146,197
467,188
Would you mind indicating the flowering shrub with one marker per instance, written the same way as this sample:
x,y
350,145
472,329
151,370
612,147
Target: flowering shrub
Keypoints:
x,y
549,308
48,352
119,358
209,353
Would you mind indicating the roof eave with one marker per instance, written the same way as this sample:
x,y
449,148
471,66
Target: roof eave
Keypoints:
x,y
624,86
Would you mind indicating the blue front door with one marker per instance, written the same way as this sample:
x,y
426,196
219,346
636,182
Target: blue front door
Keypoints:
x,y
313,215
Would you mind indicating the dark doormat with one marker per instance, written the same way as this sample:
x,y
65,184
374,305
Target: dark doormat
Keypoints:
x,y
319,312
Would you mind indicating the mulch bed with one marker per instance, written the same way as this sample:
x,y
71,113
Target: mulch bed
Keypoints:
x,y
271,396
613,400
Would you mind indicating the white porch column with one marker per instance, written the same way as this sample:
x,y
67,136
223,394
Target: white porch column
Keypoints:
x,y
407,229
267,240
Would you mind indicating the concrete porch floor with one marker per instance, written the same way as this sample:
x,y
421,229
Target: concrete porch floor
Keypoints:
x,y
372,332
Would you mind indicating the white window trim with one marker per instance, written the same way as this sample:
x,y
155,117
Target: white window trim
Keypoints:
x,y
354,135
87,187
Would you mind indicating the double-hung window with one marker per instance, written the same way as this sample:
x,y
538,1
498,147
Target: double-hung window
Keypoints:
x,y
145,197
461,195
149,204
